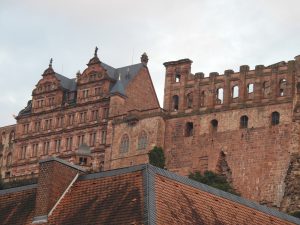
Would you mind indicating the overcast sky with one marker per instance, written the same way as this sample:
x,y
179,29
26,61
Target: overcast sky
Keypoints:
x,y
215,34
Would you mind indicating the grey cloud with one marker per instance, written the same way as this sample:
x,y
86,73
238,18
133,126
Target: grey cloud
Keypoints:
x,y
216,35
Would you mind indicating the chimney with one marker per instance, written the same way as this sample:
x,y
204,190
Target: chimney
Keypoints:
x,y
56,177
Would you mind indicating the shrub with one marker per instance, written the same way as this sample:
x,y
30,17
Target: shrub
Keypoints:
x,y
156,157
214,180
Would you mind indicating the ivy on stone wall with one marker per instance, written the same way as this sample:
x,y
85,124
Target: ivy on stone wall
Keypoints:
x,y
156,157
214,180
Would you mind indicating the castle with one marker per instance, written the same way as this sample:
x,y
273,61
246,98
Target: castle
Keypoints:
x,y
244,125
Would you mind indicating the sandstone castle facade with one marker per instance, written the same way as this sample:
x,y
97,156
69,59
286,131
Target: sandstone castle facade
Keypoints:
x,y
245,124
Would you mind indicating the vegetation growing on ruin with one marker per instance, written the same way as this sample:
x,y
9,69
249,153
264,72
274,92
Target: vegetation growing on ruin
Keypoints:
x,y
157,157
214,180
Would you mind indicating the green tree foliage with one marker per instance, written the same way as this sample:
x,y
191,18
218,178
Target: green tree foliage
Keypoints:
x,y
157,157
214,180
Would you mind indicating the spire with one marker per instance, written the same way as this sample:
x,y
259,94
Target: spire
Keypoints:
x,y
144,59
95,59
49,70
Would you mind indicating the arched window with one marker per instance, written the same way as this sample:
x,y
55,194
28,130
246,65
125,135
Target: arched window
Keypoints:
x,y
250,88
175,102
282,87
214,126
124,145
266,89
11,136
189,100
202,98
142,141
244,122
177,78
189,129
219,96
8,159
235,91
275,118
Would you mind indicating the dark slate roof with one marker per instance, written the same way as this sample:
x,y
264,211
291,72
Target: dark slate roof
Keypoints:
x,y
118,88
66,83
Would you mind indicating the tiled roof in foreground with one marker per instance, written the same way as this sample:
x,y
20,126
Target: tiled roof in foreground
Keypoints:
x,y
141,195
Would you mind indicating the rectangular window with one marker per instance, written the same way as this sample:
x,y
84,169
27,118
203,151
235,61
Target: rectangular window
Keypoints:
x,y
23,152
35,150
98,91
59,121
71,119
69,143
57,145
95,114
80,140
105,113
83,116
37,126
46,147
103,137
92,139
26,128
85,93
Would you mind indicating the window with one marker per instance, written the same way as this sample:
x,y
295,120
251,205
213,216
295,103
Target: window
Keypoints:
x,y
235,91
71,118
142,141
25,128
266,89
93,77
95,115
80,140
48,124
23,152
177,78
98,91
35,149
59,121
189,129
9,159
275,118
46,147
105,113
11,136
175,102
103,137
37,126
69,143
250,88
124,145
214,126
83,116
282,87
244,122
92,139
57,145
51,101
85,93
189,100
82,161
219,96
1,160
202,98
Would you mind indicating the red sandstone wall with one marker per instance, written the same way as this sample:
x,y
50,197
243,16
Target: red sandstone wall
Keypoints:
x,y
257,156
154,128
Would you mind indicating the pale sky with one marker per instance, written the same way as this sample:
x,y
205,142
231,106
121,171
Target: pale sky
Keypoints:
x,y
217,35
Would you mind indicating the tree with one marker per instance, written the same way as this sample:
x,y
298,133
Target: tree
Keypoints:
x,y
214,180
156,157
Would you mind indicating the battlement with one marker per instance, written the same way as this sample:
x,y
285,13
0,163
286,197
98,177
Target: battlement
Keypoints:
x,y
263,84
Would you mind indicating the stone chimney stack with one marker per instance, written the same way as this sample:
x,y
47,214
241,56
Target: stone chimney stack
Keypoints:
x,y
56,176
